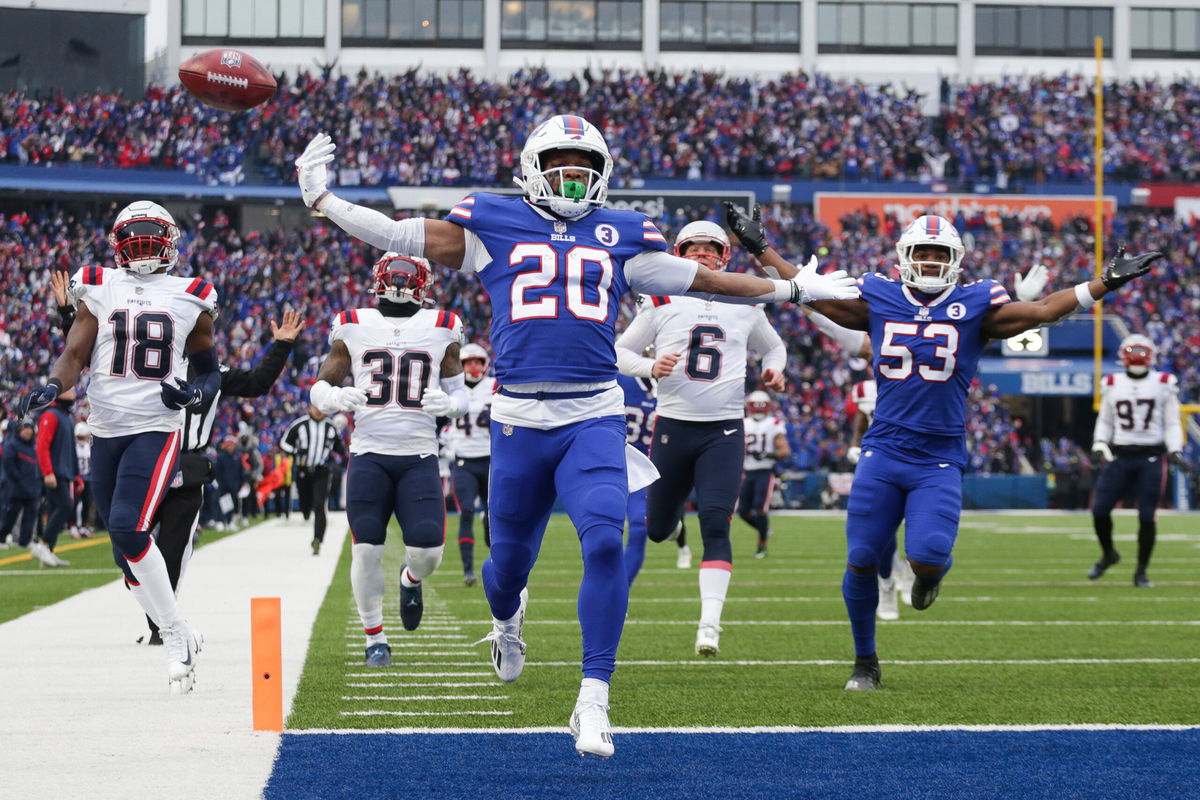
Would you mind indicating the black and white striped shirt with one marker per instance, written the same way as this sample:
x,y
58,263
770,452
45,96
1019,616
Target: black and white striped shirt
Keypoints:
x,y
311,441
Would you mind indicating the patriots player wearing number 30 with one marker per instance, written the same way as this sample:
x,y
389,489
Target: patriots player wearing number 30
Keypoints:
x,y
556,263
927,332
133,327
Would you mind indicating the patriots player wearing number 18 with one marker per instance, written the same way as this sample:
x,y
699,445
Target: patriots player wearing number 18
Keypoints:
x,y
403,359
556,263
134,327
927,332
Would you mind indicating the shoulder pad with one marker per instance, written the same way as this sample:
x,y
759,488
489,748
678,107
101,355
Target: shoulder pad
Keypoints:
x,y
348,317
202,289
464,207
92,276
659,301
650,232
1110,380
448,319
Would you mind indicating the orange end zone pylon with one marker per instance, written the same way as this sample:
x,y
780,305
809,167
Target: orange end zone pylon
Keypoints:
x,y
266,663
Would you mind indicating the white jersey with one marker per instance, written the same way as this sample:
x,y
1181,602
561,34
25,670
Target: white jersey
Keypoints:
x,y
760,442
144,322
863,394
1139,412
709,380
469,436
393,360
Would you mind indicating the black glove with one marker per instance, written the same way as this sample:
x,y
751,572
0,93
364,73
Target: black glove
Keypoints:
x,y
184,396
749,230
1180,462
38,399
1121,270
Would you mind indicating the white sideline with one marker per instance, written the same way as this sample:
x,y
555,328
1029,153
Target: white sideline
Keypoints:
x,y
87,712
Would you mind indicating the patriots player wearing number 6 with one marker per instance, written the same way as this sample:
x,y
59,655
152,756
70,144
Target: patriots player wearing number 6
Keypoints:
x,y
699,437
1137,426
133,328
556,263
398,355
470,444
927,332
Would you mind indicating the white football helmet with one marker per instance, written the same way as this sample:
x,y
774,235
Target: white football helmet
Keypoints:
x,y
704,231
759,404
565,132
930,230
402,279
469,351
145,238
1136,354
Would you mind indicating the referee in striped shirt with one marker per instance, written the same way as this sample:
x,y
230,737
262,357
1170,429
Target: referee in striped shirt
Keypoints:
x,y
311,440
180,507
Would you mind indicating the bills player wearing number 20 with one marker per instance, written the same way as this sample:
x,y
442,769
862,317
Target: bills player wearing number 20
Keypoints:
x,y
555,263
927,332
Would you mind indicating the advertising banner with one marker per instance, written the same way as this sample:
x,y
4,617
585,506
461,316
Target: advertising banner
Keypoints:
x,y
830,207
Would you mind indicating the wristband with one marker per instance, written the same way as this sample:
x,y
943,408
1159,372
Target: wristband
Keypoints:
x,y
786,291
1083,296
56,383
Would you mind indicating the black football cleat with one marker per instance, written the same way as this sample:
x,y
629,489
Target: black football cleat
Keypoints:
x,y
923,594
1101,566
379,655
866,674
1141,581
412,606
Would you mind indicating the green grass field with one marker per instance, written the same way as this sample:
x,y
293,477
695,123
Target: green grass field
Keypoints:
x,y
1018,636
25,585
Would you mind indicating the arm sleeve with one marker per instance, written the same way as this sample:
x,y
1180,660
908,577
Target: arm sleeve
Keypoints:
x,y
1172,424
1104,420
47,426
406,236
636,338
850,341
339,444
766,340
208,374
66,318
658,272
257,381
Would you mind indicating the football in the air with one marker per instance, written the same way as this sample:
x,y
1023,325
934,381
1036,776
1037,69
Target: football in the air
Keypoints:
x,y
227,79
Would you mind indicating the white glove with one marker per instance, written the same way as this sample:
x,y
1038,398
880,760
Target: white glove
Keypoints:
x,y
313,175
1104,451
812,285
437,403
853,454
1030,287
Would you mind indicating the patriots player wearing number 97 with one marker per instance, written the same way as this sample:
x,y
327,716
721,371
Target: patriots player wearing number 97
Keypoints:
x,y
406,372
927,332
556,263
134,327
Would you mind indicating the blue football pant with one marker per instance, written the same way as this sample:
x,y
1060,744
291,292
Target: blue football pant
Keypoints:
x,y
583,465
928,498
468,481
635,545
1147,476
408,487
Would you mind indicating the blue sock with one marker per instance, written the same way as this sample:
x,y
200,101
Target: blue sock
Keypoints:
x,y
861,593
603,600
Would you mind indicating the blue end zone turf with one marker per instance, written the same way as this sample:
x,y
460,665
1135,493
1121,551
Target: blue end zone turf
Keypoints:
x,y
977,765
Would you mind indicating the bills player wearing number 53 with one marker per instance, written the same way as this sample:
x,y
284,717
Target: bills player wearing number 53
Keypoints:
x,y
927,333
698,444
403,359
470,443
137,328
555,263
1137,433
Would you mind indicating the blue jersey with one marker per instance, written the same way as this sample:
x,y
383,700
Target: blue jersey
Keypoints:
x,y
555,285
640,404
926,351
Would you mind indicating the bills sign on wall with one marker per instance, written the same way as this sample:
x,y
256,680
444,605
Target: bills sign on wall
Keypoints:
x,y
831,207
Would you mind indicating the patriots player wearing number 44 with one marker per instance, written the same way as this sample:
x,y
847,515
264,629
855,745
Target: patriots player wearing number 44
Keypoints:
x,y
133,328
1137,426
403,359
556,263
470,444
927,332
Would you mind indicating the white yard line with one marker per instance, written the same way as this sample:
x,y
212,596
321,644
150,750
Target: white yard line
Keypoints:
x,y
767,729
812,662
86,684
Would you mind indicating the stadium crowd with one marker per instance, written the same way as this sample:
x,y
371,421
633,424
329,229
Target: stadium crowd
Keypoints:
x,y
456,129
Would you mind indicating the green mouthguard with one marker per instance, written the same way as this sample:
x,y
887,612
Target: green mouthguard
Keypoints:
x,y
574,190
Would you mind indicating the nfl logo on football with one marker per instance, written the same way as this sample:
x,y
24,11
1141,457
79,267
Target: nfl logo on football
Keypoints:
x,y
231,59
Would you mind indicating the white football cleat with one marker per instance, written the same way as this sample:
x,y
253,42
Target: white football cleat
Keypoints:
x,y
684,559
181,644
708,640
589,726
508,649
889,602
